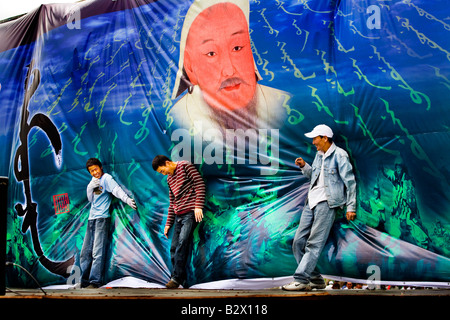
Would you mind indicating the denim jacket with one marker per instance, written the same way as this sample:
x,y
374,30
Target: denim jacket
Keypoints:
x,y
340,183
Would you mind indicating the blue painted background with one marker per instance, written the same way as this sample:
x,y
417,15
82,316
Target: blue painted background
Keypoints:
x,y
107,85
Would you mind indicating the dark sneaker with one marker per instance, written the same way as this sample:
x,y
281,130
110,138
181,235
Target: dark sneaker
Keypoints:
x,y
317,283
172,284
317,286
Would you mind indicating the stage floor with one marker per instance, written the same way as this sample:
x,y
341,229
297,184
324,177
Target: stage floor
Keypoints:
x,y
179,294
218,304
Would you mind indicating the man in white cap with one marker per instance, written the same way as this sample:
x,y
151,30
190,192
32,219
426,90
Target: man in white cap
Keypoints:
x,y
217,69
332,186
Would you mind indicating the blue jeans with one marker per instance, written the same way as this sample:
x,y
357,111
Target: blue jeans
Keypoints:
x,y
309,240
92,257
181,245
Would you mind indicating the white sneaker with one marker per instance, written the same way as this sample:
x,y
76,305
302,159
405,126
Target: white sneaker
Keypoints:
x,y
296,286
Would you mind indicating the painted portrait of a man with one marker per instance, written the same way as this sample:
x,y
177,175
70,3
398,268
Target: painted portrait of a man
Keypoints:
x,y
218,71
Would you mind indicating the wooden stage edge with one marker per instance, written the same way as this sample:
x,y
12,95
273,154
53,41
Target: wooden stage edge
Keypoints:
x,y
177,294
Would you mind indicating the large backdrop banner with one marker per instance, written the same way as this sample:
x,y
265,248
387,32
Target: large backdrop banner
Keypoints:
x,y
231,86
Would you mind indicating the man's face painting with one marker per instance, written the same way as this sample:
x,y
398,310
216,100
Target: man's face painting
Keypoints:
x,y
218,57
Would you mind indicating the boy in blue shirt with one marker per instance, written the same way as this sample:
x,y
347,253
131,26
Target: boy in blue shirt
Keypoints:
x,y
99,193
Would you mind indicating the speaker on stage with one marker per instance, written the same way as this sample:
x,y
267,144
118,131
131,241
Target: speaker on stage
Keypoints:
x,y
3,212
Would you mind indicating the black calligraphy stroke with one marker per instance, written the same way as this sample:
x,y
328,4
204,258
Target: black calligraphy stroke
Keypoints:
x,y
22,173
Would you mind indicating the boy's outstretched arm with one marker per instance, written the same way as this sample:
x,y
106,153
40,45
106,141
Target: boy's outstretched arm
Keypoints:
x,y
200,190
170,214
119,193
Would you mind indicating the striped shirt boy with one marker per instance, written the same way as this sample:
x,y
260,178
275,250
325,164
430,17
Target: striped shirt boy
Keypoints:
x,y
186,190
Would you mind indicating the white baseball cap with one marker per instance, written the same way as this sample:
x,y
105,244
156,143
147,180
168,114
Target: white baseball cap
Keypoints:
x,y
320,130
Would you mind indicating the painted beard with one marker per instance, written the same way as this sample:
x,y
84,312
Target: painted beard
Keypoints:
x,y
240,118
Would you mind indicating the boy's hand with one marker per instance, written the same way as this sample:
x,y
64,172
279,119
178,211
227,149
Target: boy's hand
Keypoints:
x,y
350,216
94,183
198,214
131,203
166,231
300,162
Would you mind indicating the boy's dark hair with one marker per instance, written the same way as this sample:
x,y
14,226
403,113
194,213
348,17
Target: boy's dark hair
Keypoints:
x,y
159,161
93,162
